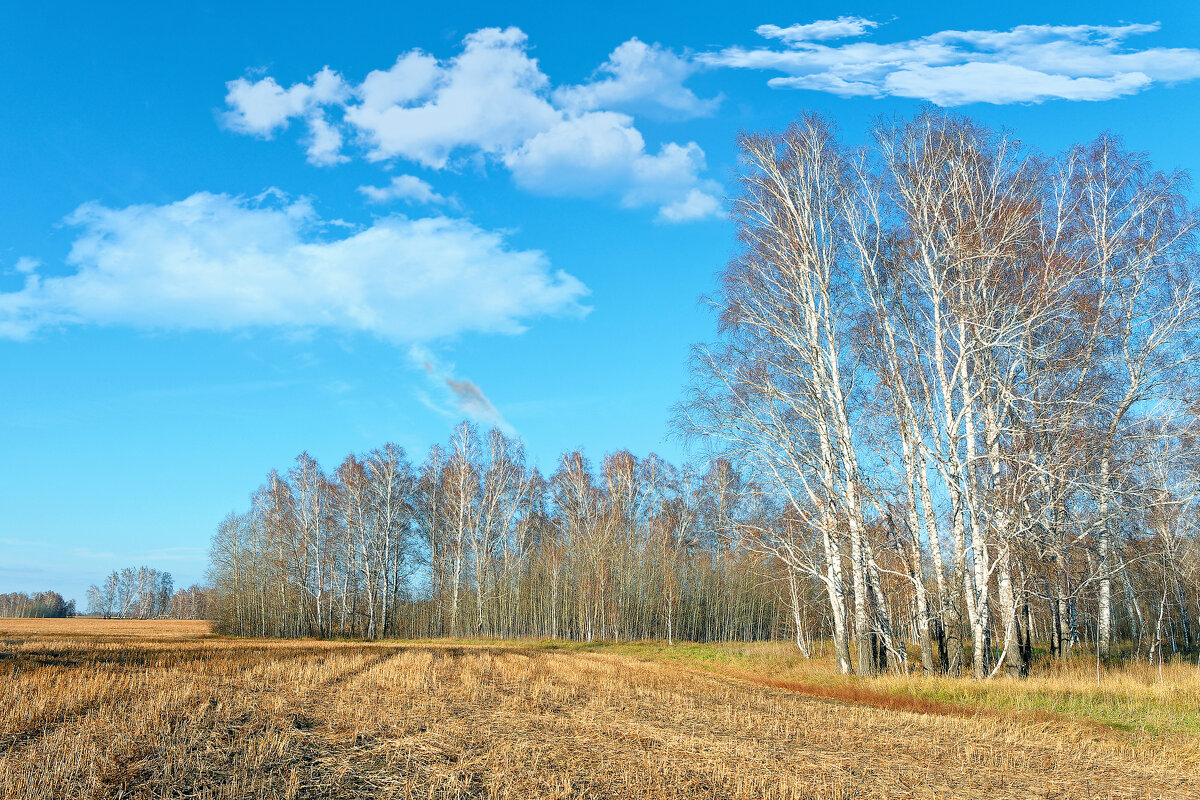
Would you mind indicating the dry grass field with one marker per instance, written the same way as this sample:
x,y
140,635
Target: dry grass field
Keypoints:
x,y
94,709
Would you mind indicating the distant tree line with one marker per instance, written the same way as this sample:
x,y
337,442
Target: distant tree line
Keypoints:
x,y
38,604
132,593
190,603
476,542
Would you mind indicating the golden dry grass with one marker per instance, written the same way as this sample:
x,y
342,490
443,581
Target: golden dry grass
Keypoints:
x,y
107,628
93,709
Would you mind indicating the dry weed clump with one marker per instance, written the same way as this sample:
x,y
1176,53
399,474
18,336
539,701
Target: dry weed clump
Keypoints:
x,y
100,712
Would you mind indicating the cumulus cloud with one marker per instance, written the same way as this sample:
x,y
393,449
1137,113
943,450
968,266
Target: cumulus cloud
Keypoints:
x,y
262,108
324,143
1026,64
602,153
408,188
641,77
492,102
411,79
696,205
213,261
489,98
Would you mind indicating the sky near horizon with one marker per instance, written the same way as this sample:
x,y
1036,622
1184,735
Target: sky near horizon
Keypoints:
x,y
235,232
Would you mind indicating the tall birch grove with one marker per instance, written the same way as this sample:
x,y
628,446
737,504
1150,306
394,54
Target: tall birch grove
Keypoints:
x,y
475,541
949,415
968,368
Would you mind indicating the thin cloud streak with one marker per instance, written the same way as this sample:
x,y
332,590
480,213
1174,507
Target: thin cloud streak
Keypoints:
x,y
461,397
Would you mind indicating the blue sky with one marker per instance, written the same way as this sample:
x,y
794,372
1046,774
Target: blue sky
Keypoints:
x,y
233,232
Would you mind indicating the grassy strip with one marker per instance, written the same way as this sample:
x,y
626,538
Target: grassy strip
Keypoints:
x,y
1130,697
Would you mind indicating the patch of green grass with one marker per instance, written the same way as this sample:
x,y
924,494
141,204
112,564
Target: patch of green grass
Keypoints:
x,y
1129,697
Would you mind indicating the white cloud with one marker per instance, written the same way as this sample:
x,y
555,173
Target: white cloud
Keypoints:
x,y
264,107
324,142
493,104
697,205
584,156
412,78
1005,83
646,78
489,98
27,265
601,153
840,28
408,188
1026,64
213,261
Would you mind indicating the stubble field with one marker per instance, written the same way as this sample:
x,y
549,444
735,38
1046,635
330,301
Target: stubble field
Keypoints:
x,y
94,709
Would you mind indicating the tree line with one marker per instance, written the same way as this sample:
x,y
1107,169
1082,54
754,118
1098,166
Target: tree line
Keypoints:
x,y
951,406
37,604
194,602
476,542
132,593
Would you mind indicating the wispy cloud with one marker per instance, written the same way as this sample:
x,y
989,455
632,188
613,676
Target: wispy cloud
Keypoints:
x,y
460,397
470,400
1025,64
161,554
408,188
840,28
21,572
88,554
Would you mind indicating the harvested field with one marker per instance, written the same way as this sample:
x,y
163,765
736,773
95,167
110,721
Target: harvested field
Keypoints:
x,y
94,709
